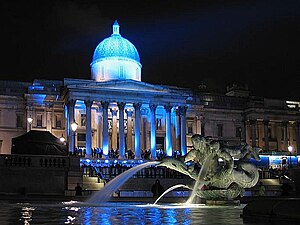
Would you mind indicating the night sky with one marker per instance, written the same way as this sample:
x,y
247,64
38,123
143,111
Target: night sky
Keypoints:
x,y
181,43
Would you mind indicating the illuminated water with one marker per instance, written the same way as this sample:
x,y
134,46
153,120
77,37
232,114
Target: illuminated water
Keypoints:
x,y
117,213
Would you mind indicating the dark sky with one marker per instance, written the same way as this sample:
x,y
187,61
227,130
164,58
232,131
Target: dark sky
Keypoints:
x,y
182,43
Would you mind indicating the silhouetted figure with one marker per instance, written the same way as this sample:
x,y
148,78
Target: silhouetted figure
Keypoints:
x,y
78,190
261,190
286,189
157,189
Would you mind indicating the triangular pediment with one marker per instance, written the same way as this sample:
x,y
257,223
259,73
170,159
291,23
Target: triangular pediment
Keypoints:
x,y
119,85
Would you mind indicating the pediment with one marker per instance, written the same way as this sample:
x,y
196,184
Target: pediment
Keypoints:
x,y
119,85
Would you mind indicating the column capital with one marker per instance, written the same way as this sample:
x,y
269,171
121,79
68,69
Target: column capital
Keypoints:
x,y
129,113
137,106
113,111
121,105
104,104
71,102
88,102
168,108
182,110
152,107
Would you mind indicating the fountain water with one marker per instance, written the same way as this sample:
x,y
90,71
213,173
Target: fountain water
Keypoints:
x,y
168,190
112,186
200,181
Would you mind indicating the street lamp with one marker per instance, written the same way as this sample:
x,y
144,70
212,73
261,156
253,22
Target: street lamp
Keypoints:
x,y
290,148
74,126
29,120
62,138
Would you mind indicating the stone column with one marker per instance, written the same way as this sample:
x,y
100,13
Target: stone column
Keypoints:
x,y
169,149
88,128
121,106
182,113
177,130
105,144
279,136
29,114
129,129
253,132
99,127
297,133
243,131
153,131
137,131
198,124
71,119
285,135
266,134
49,119
114,129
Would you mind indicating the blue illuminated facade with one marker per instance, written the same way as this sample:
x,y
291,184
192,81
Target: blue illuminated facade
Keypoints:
x,y
115,110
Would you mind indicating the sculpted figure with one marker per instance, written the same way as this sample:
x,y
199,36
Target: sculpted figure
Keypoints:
x,y
225,178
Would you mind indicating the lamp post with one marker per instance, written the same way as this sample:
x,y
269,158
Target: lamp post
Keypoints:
x,y
62,138
74,127
29,120
290,148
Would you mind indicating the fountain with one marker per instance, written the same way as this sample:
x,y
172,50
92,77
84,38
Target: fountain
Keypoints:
x,y
217,180
225,172
112,186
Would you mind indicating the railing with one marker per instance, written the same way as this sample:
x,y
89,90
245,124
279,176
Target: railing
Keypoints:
x,y
44,161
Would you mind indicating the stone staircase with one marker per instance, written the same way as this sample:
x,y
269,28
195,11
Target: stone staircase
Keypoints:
x,y
92,184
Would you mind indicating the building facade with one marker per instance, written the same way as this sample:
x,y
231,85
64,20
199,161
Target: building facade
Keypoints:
x,y
115,110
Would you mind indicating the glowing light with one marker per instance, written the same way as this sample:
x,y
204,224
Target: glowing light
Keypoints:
x,y
115,58
29,120
74,126
62,139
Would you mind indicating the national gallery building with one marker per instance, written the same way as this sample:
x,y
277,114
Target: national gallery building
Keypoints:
x,y
115,110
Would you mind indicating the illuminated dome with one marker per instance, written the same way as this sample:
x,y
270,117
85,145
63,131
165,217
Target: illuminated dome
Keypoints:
x,y
116,58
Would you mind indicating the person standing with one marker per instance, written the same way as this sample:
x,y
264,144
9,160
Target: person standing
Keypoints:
x,y
262,189
157,189
78,190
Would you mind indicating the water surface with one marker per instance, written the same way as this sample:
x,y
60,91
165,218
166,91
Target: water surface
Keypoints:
x,y
117,213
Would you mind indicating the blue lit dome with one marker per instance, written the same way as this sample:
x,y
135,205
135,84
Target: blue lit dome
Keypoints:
x,y
116,51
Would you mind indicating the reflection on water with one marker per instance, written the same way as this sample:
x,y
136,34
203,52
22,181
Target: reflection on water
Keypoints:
x,y
117,213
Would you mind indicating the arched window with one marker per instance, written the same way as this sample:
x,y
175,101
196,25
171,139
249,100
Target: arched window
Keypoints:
x,y
121,72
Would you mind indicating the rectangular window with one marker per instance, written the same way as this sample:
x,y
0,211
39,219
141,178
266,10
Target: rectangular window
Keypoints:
x,y
81,137
39,120
190,128
102,73
20,120
238,132
58,121
121,72
158,124
220,130
203,129
269,132
82,119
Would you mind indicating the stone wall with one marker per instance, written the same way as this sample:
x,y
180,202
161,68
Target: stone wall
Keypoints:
x,y
40,175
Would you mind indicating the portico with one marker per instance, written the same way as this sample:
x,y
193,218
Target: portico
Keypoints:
x,y
125,114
